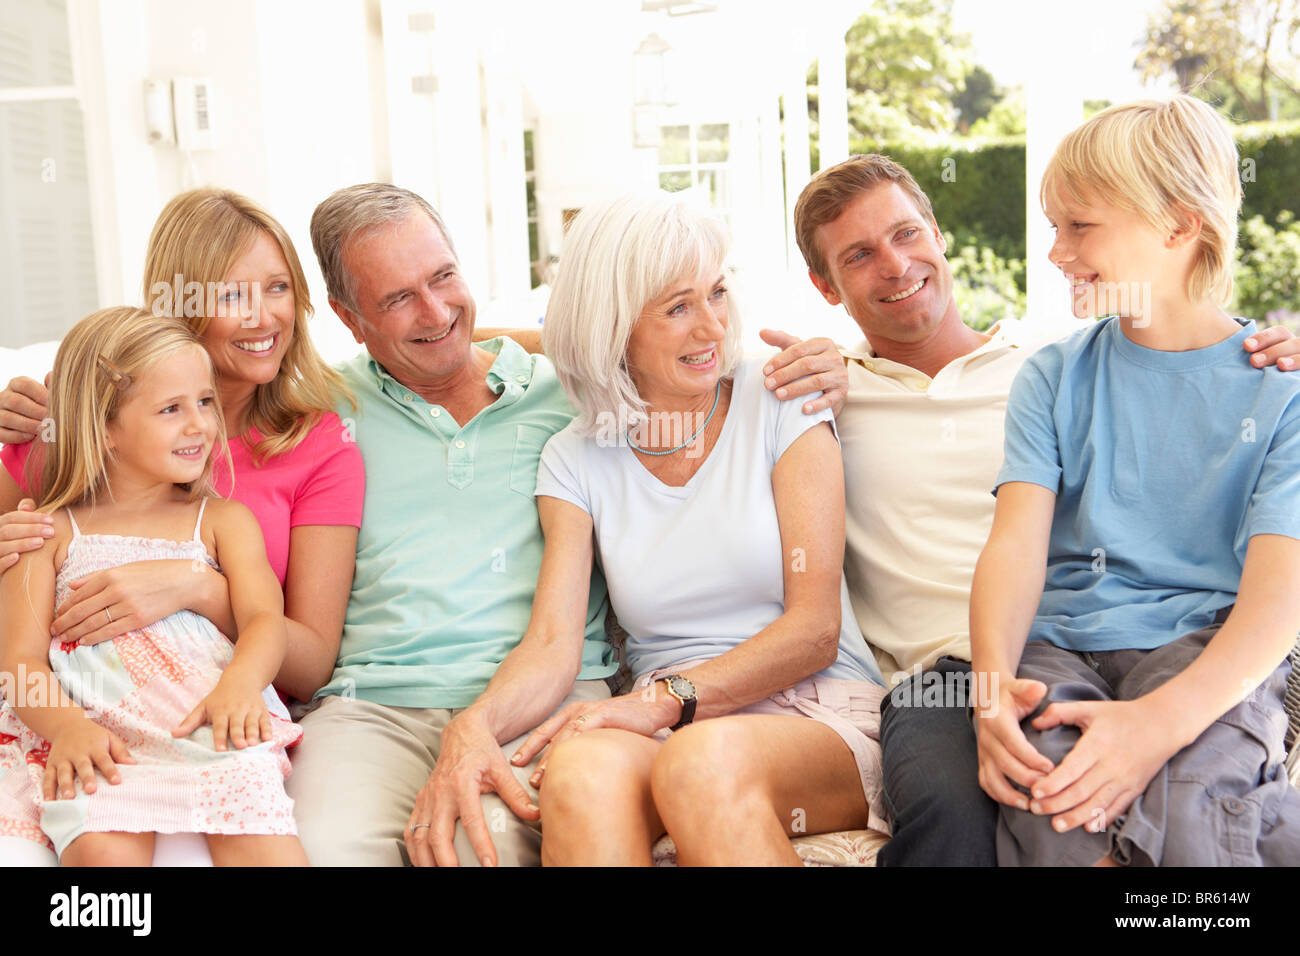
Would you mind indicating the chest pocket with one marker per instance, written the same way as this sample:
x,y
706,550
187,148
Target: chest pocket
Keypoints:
x,y
529,442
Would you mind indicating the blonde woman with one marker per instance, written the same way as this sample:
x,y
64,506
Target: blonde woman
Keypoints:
x,y
229,270
164,729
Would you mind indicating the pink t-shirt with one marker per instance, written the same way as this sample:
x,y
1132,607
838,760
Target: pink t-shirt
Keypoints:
x,y
321,482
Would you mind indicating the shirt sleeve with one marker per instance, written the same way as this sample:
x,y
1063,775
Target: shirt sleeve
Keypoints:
x,y
1274,506
334,488
559,471
791,422
1031,451
15,458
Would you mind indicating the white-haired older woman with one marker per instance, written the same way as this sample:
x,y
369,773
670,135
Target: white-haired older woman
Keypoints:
x,y
717,513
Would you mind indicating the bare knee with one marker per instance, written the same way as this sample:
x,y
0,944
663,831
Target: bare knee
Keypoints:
x,y
704,770
589,776
109,849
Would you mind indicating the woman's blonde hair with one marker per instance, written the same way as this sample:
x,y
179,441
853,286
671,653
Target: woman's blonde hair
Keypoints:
x,y
1164,160
618,256
97,365
198,237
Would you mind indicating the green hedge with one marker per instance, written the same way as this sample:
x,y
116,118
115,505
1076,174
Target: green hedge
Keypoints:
x,y
1270,169
977,189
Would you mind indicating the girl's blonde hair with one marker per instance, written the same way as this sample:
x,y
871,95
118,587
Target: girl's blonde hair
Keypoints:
x,y
97,365
1164,160
198,237
618,256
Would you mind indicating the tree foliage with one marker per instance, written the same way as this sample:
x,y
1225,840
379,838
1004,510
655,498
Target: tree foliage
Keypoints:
x,y
905,63
1241,55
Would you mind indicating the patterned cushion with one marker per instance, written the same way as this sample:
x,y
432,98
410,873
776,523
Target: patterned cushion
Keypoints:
x,y
846,848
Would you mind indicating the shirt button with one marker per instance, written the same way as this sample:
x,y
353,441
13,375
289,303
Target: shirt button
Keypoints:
x,y
435,412
459,443
521,378
924,386
1233,806
407,398
869,366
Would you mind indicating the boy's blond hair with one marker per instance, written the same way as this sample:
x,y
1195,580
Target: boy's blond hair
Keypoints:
x,y
97,366
198,236
1164,160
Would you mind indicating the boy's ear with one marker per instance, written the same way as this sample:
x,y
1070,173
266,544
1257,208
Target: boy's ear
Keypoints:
x,y
1189,230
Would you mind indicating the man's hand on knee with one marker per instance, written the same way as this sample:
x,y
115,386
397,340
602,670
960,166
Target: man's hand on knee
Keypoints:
x,y
470,764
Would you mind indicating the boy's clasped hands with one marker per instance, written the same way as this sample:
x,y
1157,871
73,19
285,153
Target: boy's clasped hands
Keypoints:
x,y
1123,746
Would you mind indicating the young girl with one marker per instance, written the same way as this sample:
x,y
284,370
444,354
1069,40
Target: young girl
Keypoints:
x,y
164,729
1152,483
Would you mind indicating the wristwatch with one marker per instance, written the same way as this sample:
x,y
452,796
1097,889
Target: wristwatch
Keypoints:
x,y
679,687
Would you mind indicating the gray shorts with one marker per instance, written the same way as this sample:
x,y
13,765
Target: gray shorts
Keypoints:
x,y
1224,800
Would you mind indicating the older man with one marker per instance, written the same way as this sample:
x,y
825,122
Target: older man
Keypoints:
x,y
921,434
447,560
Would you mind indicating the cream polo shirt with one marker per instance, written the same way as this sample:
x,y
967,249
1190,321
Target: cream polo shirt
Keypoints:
x,y
920,458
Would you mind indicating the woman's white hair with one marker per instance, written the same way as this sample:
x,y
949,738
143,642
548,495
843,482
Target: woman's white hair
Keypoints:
x,y
618,256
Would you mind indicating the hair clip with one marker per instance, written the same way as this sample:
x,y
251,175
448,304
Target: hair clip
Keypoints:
x,y
120,380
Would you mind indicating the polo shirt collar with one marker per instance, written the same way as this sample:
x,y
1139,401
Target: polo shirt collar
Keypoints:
x,y
513,367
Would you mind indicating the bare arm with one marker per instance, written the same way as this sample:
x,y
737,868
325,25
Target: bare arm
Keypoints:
x,y
528,685
1005,592
77,745
322,559
235,707
808,486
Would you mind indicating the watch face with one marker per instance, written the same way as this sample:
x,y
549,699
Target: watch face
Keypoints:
x,y
682,687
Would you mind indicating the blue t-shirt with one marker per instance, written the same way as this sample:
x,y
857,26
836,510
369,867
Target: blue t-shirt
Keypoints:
x,y
1164,464
695,570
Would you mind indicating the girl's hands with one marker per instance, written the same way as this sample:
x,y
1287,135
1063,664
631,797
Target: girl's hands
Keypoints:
x,y
134,595
80,747
23,530
235,710
644,712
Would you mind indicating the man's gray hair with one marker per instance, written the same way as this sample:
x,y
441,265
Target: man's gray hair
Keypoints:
x,y
350,213
617,257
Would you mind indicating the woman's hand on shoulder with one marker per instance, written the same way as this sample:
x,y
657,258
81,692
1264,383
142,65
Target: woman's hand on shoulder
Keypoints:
x,y
644,712
25,529
24,404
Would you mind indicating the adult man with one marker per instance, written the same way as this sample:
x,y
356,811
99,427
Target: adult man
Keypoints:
x,y
447,560
921,434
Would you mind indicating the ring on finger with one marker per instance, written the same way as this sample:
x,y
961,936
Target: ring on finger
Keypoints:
x,y
417,826
110,615
581,718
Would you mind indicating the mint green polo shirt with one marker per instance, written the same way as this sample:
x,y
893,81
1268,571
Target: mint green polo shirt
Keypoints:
x,y
450,542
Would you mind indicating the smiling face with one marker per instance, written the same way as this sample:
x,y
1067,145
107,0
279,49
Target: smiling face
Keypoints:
x,y
416,315
674,353
249,341
886,264
1114,260
165,429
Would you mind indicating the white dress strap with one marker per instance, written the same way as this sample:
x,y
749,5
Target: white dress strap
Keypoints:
x,y
198,524
76,532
